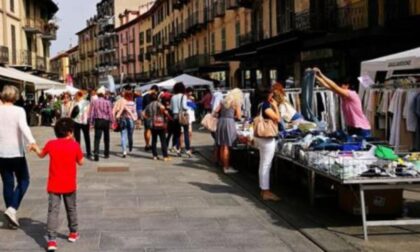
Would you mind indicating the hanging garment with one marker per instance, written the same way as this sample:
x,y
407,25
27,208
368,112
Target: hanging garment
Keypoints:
x,y
409,113
247,105
395,107
416,108
307,95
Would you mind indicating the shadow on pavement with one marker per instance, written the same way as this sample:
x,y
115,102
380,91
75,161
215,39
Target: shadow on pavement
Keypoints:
x,y
37,230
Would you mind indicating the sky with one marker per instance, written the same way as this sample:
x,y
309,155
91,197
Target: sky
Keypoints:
x,y
72,16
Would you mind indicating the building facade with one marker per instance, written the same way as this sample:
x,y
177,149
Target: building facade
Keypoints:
x,y
26,31
74,64
88,74
60,67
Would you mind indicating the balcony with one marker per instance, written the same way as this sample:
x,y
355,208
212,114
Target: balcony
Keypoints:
x,y
40,63
220,8
49,32
83,56
353,16
159,47
209,14
179,3
247,38
142,77
4,55
197,61
196,22
34,26
26,58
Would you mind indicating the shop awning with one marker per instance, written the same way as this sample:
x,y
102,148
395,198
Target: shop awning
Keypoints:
x,y
18,76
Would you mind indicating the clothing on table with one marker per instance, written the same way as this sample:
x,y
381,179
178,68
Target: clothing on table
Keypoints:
x,y
9,168
247,106
14,132
63,154
353,113
100,109
287,111
416,107
226,133
54,203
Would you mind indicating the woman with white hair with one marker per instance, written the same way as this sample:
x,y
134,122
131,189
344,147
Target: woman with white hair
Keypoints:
x,y
14,130
228,110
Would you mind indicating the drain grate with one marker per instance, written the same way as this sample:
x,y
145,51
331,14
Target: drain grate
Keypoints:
x,y
113,167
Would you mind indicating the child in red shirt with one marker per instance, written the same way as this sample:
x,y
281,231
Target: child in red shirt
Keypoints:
x,y
64,154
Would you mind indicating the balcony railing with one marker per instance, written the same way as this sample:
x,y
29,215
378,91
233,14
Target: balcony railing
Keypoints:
x,y
34,25
40,63
4,55
353,16
197,61
247,38
220,8
26,58
144,76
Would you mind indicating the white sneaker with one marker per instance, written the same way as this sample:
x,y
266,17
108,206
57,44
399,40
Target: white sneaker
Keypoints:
x,y
11,215
230,170
189,154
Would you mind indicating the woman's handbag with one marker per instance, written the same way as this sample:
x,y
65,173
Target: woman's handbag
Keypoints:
x,y
183,116
209,122
119,125
265,128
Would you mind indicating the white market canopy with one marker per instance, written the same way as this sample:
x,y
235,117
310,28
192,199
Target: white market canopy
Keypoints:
x,y
399,61
38,82
188,80
61,90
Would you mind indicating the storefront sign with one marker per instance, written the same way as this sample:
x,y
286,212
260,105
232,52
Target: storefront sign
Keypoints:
x,y
400,63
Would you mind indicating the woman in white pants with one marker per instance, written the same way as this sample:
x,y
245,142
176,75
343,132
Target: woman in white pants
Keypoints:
x,y
267,146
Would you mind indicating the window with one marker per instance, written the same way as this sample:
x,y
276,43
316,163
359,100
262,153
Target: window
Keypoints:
x,y
13,36
213,43
205,45
238,33
148,36
12,5
141,38
223,39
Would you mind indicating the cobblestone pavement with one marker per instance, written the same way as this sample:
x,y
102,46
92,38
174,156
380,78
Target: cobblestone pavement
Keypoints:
x,y
182,205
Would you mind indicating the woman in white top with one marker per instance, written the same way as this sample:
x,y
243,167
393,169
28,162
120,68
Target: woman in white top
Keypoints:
x,y
80,114
178,105
66,105
14,133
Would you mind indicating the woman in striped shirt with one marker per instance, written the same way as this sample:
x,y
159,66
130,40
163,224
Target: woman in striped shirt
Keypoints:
x,y
126,114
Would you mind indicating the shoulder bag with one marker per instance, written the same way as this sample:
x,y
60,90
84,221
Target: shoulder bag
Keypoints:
x,y
183,116
209,122
264,128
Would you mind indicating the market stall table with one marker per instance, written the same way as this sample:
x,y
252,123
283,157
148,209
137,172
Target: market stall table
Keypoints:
x,y
364,184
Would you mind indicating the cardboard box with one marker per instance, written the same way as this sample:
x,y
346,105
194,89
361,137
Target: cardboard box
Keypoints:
x,y
378,202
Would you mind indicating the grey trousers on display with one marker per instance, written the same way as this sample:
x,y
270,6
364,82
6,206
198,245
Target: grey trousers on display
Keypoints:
x,y
54,202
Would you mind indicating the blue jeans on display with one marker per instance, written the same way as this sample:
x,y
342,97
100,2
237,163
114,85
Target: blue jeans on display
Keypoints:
x,y
9,169
307,95
127,135
364,133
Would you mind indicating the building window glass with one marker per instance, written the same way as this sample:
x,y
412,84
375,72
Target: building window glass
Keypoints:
x,y
12,5
238,33
13,36
148,36
223,39
213,43
141,38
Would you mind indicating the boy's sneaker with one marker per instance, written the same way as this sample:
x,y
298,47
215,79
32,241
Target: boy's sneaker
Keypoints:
x,y
52,246
73,236
11,216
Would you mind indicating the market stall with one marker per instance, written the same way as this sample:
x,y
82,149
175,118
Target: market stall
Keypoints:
x,y
357,165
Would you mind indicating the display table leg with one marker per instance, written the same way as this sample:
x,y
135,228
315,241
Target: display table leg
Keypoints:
x,y
311,187
363,208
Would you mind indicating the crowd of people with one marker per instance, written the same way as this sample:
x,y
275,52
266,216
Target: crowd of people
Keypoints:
x,y
165,115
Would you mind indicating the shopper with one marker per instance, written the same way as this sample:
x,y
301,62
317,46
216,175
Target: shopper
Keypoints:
x,y
147,123
64,154
351,105
288,113
125,113
179,105
267,146
139,107
80,114
192,106
229,110
66,105
13,166
100,116
205,101
158,116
